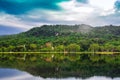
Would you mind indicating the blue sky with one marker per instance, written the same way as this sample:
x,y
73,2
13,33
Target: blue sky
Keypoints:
x,y
21,15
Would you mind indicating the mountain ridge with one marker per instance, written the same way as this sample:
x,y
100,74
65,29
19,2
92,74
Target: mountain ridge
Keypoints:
x,y
53,30
59,29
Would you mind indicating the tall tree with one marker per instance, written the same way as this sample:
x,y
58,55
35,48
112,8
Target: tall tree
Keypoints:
x,y
73,48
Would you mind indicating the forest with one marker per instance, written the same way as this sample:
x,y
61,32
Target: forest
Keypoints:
x,y
64,38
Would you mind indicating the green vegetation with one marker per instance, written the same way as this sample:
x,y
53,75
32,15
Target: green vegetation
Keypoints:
x,y
63,65
64,50
64,38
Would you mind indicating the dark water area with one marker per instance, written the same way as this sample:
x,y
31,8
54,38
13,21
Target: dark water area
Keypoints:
x,y
58,66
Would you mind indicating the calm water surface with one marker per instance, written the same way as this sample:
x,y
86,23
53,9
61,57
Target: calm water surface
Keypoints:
x,y
14,74
59,66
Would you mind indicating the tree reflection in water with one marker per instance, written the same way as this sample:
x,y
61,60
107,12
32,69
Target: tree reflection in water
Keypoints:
x,y
64,65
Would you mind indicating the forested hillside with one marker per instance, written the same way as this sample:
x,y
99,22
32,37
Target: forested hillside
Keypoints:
x,y
64,38
58,30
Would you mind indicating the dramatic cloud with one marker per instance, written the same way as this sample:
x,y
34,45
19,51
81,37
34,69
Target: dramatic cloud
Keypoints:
x,y
22,6
27,14
117,5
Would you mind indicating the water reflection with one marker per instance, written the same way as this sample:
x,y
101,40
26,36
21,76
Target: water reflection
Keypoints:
x,y
59,67
14,74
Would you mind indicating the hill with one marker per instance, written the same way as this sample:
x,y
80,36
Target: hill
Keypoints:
x,y
64,38
61,30
53,30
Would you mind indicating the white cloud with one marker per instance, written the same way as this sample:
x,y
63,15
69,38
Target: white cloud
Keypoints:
x,y
13,21
103,4
72,11
95,12
92,13
105,7
75,12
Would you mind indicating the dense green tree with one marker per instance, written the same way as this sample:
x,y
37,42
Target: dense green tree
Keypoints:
x,y
73,48
118,48
109,47
60,48
33,47
11,48
94,47
19,48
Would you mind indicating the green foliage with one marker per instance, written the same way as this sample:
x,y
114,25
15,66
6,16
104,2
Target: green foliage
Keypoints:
x,y
94,47
33,46
60,48
73,48
60,65
59,38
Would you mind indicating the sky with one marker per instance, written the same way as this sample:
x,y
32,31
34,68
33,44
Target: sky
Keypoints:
x,y
21,15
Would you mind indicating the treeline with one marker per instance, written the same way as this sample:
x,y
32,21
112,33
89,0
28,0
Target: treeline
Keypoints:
x,y
60,44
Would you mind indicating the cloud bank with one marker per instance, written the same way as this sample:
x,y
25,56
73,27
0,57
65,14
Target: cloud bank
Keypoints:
x,y
26,14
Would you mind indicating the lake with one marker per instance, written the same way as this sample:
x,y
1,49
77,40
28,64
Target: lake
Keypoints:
x,y
14,74
59,66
